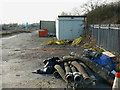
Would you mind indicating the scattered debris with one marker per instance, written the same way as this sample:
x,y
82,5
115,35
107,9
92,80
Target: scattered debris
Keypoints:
x,y
90,54
77,41
109,54
64,42
51,42
49,66
60,42
17,75
51,35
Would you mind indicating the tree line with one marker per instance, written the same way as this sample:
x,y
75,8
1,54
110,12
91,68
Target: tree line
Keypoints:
x,y
98,12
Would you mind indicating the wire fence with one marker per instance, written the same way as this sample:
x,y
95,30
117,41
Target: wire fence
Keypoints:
x,y
107,36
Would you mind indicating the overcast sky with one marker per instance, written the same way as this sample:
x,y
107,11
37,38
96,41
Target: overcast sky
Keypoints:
x,y
32,11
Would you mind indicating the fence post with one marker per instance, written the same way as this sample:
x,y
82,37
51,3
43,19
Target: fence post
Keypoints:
x,y
118,41
93,30
108,38
109,26
99,34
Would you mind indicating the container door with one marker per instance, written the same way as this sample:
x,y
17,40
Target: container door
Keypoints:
x,y
67,30
78,28
50,25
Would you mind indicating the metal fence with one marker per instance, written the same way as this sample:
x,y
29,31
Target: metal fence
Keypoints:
x,y
107,36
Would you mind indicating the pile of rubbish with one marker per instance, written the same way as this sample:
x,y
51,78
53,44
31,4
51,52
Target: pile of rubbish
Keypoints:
x,y
102,59
77,71
74,73
64,42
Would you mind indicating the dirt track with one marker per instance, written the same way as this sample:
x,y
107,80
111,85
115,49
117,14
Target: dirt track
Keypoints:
x,y
22,54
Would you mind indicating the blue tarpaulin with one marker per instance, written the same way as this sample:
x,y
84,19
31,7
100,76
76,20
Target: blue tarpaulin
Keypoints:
x,y
105,61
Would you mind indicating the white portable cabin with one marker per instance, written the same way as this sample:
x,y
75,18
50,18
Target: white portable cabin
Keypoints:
x,y
69,27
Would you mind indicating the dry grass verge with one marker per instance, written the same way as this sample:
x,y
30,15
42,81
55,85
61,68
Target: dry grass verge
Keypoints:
x,y
15,31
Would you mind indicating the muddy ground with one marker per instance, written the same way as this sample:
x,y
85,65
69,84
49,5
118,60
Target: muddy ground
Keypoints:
x,y
24,53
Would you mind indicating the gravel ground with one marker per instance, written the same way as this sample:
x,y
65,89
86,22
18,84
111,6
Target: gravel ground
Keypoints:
x,y
24,53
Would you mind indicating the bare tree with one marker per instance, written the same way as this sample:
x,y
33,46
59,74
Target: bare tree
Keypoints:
x,y
76,11
91,5
86,7
64,13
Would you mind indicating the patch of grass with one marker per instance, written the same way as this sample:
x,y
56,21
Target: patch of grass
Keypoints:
x,y
6,32
97,49
89,43
15,31
27,31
